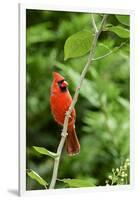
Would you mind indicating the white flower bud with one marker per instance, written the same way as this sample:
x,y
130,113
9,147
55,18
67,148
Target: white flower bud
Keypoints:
x,y
125,166
110,177
117,169
125,175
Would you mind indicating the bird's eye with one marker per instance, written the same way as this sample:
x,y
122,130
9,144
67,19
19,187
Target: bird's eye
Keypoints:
x,y
63,85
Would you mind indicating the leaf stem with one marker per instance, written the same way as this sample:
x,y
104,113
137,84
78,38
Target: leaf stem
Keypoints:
x,y
109,53
74,101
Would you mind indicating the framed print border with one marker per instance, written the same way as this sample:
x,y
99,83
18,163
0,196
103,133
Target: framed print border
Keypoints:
x,y
22,96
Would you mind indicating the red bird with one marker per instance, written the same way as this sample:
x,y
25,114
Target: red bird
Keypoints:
x,y
60,101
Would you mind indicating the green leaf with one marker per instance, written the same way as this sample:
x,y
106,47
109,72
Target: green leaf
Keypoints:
x,y
124,102
76,183
124,19
78,44
32,174
120,31
44,151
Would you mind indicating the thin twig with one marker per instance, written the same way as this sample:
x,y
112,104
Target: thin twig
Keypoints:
x,y
109,53
94,24
75,98
101,57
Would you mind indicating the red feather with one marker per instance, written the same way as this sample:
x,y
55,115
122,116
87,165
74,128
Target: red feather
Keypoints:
x,y
60,101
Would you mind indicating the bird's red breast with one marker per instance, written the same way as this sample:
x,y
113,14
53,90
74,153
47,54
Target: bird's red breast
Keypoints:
x,y
60,100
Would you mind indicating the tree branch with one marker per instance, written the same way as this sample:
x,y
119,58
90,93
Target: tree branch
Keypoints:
x,y
74,101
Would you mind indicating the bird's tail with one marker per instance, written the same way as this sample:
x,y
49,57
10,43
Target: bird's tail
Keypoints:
x,y
72,143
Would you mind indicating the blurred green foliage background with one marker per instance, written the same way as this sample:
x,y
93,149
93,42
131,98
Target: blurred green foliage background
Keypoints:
x,y
102,122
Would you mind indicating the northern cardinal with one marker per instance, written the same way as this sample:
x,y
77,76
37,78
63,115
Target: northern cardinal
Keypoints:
x,y
60,101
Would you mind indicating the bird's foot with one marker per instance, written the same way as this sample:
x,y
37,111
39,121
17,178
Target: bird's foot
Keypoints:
x,y
64,134
68,114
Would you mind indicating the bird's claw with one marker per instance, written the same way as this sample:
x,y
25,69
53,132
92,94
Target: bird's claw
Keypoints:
x,y
67,114
64,134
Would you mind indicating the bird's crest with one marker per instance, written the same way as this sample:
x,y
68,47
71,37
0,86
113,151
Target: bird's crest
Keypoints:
x,y
57,76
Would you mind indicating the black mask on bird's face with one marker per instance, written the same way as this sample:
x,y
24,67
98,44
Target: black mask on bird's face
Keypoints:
x,y
63,85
